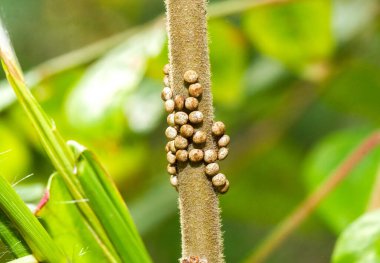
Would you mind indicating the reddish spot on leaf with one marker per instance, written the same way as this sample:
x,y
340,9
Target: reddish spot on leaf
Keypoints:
x,y
43,202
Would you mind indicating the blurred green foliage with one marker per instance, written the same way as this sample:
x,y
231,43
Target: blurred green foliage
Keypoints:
x,y
297,85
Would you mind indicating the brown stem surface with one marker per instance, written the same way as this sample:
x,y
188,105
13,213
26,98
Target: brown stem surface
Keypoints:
x,y
305,209
198,202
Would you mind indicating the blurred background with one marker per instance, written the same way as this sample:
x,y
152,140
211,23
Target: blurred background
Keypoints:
x,y
297,84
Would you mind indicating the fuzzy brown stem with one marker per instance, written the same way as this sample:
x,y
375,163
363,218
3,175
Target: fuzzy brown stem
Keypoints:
x,y
198,202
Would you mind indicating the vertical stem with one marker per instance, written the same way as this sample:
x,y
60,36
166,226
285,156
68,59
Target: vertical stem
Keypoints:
x,y
198,202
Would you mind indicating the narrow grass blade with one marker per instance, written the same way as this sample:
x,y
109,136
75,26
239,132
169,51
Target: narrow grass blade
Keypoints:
x,y
109,206
65,223
53,143
30,228
11,238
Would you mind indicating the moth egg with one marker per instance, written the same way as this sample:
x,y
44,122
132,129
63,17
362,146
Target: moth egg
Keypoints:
x,y
196,155
174,180
191,103
195,90
169,106
222,153
170,133
170,119
179,102
212,169
171,169
171,146
218,128
186,130
219,180
196,117
181,155
224,189
166,81
210,156
190,76
166,93
180,142
166,69
199,137
171,158
224,141
181,118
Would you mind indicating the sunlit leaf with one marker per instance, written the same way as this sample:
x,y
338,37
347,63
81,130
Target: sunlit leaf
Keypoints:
x,y
100,94
14,155
228,54
65,223
349,200
355,90
360,242
297,33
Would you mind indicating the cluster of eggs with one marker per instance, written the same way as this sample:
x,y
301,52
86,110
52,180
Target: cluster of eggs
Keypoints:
x,y
185,121
193,259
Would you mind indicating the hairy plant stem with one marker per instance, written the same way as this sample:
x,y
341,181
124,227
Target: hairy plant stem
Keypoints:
x,y
305,209
198,202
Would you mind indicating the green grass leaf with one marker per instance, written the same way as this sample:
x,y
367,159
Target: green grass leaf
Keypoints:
x,y
64,221
109,206
29,227
298,34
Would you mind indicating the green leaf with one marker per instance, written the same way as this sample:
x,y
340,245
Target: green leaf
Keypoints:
x,y
341,207
228,55
298,33
14,155
360,242
343,92
66,225
56,148
29,227
11,238
109,206
100,94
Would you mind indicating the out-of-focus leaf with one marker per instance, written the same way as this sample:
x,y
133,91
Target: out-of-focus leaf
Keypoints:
x,y
228,54
351,16
360,242
263,73
100,94
356,89
297,33
349,200
30,193
14,156
143,108
65,223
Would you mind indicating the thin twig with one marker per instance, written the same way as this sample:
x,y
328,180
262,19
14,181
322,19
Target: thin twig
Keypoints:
x,y
305,209
374,201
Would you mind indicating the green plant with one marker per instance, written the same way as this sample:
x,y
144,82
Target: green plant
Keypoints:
x,y
285,75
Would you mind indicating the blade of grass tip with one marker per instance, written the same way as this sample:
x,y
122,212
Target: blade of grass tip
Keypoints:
x,y
26,259
53,143
108,185
104,199
11,238
29,227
